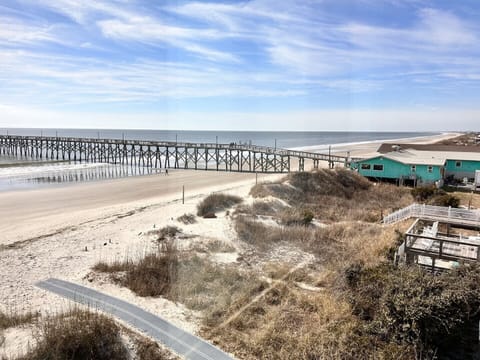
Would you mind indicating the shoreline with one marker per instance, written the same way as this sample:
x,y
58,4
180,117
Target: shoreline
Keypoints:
x,y
417,139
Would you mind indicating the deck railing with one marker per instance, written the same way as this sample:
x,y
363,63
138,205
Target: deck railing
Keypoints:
x,y
437,213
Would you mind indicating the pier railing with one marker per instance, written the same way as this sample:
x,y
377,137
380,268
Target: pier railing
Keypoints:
x,y
164,154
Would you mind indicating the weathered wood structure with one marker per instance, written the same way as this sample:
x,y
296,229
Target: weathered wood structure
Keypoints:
x,y
440,245
161,154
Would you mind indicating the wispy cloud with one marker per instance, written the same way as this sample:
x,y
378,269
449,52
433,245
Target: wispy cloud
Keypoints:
x,y
296,51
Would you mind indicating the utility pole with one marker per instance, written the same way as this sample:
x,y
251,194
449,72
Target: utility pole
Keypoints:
x,y
275,144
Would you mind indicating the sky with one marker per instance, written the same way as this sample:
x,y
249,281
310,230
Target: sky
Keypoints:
x,y
385,65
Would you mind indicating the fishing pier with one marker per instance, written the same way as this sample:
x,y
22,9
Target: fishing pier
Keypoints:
x,y
164,155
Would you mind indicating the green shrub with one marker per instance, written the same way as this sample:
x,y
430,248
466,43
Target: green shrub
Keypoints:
x,y
407,305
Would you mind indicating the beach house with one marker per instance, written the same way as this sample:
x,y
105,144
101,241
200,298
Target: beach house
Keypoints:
x,y
420,164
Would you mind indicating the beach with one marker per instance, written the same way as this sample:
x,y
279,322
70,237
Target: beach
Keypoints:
x,y
63,231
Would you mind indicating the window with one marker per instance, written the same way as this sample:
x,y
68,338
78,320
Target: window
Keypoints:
x,y
378,167
430,168
414,168
365,166
458,164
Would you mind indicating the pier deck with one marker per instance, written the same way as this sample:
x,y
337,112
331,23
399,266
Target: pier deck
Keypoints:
x,y
164,154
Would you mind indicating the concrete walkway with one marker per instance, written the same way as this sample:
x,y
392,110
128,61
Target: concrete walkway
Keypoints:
x,y
181,342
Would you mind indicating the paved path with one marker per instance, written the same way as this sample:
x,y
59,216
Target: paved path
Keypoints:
x,y
181,342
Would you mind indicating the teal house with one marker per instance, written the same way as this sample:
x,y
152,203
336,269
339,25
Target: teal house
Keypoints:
x,y
419,166
404,167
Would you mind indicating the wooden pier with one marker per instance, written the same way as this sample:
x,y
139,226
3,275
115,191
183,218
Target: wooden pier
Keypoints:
x,y
163,155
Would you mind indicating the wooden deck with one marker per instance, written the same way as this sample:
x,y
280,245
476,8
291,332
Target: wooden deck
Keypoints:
x,y
431,248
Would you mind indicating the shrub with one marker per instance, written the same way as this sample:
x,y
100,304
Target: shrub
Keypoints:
x,y
407,305
149,350
79,335
423,193
187,219
152,275
216,202
445,200
168,233
14,319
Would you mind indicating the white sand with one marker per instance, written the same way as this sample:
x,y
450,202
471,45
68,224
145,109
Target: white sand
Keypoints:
x,y
48,230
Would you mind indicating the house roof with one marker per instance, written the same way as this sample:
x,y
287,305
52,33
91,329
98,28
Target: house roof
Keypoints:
x,y
388,147
414,157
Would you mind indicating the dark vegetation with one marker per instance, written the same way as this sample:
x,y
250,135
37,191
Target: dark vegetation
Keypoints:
x,y
216,202
168,233
152,275
187,219
432,196
12,319
149,350
407,307
78,335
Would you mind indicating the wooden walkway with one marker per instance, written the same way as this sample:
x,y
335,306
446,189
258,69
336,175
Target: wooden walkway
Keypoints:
x,y
162,154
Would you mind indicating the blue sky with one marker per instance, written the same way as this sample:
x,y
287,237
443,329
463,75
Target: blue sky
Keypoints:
x,y
241,65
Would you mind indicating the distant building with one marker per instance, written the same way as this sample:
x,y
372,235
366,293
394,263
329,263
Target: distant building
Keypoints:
x,y
420,164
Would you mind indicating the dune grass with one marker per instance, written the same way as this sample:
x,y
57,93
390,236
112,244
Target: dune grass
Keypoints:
x,y
78,335
216,202
336,195
152,275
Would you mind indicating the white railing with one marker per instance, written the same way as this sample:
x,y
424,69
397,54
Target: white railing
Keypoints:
x,y
432,212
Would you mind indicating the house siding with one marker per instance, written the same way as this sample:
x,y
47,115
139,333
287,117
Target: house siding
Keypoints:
x,y
396,170
467,168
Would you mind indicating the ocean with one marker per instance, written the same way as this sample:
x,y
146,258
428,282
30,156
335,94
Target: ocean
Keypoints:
x,y
17,173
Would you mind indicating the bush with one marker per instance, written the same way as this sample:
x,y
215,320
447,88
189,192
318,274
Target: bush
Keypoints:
x,y
187,219
79,335
423,193
14,319
153,275
150,350
409,306
168,233
291,217
445,200
216,202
